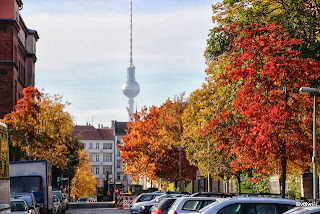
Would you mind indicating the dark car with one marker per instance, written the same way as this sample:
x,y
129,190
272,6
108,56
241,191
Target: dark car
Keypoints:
x,y
163,206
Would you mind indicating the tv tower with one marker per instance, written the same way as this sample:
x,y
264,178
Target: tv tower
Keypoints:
x,y
131,88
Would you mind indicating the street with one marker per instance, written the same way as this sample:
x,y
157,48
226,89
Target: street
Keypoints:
x,y
95,208
98,211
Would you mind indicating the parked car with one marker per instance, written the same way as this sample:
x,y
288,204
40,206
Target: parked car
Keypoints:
x,y
190,204
147,197
304,210
19,206
144,206
57,205
83,199
30,199
252,205
163,206
62,198
212,194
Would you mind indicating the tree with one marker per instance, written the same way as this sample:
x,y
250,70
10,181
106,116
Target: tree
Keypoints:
x,y
40,129
84,184
272,133
141,144
300,18
151,138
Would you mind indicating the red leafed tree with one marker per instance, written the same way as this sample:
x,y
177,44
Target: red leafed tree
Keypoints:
x,y
271,133
167,166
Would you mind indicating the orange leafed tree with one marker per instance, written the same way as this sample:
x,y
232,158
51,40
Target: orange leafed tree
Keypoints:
x,y
272,133
39,128
84,183
151,142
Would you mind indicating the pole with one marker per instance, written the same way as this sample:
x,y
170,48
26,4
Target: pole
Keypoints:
x,y
315,169
209,176
180,170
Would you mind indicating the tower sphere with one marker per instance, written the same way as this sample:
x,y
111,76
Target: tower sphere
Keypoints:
x,y
130,88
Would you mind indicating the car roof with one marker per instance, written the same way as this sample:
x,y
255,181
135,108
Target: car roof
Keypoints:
x,y
226,201
259,199
18,199
21,193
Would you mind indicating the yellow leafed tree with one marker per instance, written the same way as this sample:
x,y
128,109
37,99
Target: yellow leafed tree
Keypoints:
x,y
84,184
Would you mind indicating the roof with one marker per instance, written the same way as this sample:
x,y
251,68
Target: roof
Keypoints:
x,y
120,127
91,133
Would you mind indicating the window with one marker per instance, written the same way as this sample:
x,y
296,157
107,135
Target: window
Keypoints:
x,y
90,157
118,164
97,158
97,145
107,145
107,169
107,157
91,146
232,209
84,145
118,176
118,153
97,170
191,205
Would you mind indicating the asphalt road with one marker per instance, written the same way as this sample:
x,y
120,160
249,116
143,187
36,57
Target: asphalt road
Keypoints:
x,y
98,211
95,208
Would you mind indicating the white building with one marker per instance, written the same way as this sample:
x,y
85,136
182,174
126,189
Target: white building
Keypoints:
x,y
103,153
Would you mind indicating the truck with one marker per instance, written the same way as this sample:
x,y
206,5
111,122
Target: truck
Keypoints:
x,y
33,176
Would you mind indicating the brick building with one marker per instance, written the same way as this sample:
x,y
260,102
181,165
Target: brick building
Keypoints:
x,y
17,55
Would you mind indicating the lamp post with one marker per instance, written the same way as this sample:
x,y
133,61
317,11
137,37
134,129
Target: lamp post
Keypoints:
x,y
180,148
314,92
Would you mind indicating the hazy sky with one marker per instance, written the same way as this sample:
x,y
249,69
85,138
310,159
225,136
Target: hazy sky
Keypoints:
x,y
84,46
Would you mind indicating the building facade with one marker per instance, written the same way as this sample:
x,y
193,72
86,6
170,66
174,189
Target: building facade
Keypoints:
x,y
103,154
119,130
17,55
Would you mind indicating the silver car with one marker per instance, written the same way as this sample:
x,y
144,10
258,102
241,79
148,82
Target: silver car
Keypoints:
x,y
144,207
190,204
29,198
19,206
308,209
249,205
62,198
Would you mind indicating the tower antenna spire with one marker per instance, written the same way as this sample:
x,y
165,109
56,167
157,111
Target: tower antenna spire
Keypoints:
x,y
131,87
131,63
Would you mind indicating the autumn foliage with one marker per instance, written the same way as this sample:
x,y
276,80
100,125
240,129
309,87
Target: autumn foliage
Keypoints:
x,y
84,183
150,146
39,128
268,131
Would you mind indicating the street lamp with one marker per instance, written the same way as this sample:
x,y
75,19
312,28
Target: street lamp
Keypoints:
x,y
180,148
314,92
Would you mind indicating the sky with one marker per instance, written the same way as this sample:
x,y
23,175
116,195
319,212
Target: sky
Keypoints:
x,y
84,51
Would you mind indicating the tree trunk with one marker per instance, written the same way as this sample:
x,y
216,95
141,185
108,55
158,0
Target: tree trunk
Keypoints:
x,y
239,182
283,160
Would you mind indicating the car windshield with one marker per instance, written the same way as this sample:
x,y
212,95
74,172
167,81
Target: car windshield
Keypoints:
x,y
27,198
18,206
26,184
